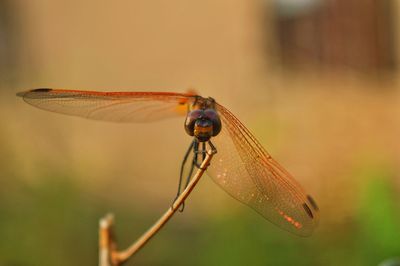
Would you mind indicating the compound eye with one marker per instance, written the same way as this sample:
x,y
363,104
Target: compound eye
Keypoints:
x,y
213,116
191,119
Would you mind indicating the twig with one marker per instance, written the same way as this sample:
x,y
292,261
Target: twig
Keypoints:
x,y
106,240
108,248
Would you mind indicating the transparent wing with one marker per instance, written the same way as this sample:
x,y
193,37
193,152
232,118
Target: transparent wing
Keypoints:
x,y
111,106
248,173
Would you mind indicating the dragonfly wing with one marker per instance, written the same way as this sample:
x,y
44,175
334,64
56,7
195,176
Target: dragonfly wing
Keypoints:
x,y
111,106
248,173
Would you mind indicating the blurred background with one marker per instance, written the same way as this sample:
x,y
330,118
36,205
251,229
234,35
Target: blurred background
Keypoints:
x,y
317,81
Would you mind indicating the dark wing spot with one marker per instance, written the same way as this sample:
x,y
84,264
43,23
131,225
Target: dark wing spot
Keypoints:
x,y
24,93
42,90
312,202
308,211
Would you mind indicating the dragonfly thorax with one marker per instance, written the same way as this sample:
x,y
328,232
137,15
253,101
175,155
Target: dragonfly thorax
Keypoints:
x,y
203,124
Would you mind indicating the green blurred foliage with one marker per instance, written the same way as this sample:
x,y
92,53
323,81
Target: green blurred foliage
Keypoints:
x,y
378,233
53,222
47,224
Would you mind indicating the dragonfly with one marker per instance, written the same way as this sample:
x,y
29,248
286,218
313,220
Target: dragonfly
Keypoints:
x,y
241,167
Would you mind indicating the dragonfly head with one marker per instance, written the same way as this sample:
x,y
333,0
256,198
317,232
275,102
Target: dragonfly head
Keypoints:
x,y
203,124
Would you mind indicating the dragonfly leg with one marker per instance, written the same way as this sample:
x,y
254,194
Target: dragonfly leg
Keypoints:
x,y
198,150
203,148
203,151
213,149
182,169
193,164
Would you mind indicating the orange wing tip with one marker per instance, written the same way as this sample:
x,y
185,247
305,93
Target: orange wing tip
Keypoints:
x,y
24,93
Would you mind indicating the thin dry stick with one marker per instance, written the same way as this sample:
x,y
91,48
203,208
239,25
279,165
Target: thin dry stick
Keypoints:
x,y
106,240
116,258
